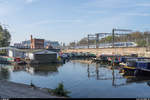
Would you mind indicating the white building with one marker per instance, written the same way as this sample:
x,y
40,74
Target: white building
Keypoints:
x,y
21,46
40,56
16,53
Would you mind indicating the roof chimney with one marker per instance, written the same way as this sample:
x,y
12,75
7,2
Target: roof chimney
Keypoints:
x,y
31,37
31,44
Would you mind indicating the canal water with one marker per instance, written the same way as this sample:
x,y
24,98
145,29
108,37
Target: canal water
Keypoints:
x,y
81,78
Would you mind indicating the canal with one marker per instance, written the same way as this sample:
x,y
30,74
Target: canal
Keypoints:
x,y
81,78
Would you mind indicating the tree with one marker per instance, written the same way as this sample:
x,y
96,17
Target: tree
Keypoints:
x,y
142,39
83,41
5,37
72,44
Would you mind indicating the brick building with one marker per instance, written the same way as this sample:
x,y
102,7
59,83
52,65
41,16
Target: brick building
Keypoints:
x,y
37,43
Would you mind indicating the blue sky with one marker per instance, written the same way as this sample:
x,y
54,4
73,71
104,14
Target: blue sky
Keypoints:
x,y
69,20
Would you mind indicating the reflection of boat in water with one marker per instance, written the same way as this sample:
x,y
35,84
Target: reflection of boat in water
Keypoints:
x,y
40,69
134,79
4,73
137,79
14,68
30,70
43,69
106,73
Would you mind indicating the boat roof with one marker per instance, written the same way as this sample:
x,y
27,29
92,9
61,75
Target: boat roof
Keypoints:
x,y
42,52
30,50
137,57
109,55
143,61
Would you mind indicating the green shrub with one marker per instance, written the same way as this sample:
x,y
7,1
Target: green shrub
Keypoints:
x,y
60,91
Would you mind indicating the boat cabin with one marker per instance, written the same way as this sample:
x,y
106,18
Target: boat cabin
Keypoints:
x,y
42,56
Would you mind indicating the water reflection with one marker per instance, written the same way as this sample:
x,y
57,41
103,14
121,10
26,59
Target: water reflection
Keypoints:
x,y
101,73
77,75
98,72
41,70
44,70
4,73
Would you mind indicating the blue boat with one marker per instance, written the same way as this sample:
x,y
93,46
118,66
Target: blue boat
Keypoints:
x,y
139,66
143,68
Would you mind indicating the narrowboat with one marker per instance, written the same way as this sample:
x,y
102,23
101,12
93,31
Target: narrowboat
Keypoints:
x,y
139,66
143,68
108,59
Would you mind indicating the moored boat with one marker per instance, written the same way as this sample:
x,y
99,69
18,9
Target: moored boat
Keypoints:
x,y
139,66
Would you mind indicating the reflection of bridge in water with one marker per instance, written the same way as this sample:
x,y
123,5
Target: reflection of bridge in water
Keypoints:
x,y
101,74
99,70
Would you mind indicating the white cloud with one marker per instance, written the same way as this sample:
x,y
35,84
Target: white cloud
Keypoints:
x,y
29,1
68,20
96,12
46,22
143,4
106,3
137,14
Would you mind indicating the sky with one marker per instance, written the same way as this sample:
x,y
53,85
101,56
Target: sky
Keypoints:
x,y
71,20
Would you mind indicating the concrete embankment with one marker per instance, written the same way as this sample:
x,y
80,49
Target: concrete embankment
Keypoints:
x,y
141,51
17,90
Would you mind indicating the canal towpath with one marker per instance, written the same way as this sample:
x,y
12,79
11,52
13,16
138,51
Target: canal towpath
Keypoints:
x,y
17,90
